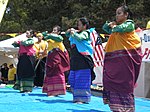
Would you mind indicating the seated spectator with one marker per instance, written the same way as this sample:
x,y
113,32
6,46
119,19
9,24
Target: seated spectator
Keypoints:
x,y
11,74
4,71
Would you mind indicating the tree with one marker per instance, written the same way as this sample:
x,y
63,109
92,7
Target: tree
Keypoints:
x,y
42,15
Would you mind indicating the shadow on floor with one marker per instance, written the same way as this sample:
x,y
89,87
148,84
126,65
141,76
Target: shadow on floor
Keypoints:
x,y
91,110
9,92
54,101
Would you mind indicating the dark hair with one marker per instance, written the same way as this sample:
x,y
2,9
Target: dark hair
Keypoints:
x,y
4,63
58,28
31,32
125,9
84,21
11,65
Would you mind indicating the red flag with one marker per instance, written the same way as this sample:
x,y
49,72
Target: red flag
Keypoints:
x,y
98,50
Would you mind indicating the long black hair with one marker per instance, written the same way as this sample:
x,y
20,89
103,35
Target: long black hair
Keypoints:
x,y
84,21
125,9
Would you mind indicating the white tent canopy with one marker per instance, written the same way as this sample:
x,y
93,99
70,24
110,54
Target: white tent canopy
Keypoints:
x,y
7,47
8,52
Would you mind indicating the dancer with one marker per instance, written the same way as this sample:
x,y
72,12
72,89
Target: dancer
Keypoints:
x,y
56,64
122,62
81,61
26,63
41,53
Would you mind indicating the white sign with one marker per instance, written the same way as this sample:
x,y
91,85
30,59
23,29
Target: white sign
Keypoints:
x,y
145,39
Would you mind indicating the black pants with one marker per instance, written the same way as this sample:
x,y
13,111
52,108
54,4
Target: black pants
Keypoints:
x,y
40,71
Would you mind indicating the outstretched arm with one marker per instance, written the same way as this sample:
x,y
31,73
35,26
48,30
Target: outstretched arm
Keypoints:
x,y
16,44
55,37
127,26
27,42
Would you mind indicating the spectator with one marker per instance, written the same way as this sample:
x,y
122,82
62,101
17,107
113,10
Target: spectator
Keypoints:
x,y
4,71
11,74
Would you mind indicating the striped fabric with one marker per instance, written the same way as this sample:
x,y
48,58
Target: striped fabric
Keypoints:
x,y
98,50
55,85
24,85
119,102
80,81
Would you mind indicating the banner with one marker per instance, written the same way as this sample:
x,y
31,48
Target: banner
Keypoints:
x,y
145,39
3,4
12,34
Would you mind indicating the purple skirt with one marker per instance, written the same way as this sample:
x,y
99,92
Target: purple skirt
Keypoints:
x,y
119,102
121,70
54,85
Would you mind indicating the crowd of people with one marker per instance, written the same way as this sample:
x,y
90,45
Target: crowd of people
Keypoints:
x,y
7,74
44,63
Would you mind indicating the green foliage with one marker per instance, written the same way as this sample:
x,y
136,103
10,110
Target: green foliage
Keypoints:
x,y
4,37
10,26
42,15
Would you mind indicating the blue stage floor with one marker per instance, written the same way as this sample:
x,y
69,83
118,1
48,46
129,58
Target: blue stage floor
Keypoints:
x,y
13,101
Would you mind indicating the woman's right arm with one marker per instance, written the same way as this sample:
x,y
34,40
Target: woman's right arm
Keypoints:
x,y
55,37
16,44
106,27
